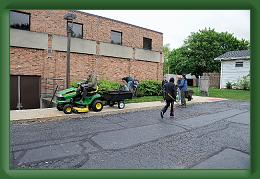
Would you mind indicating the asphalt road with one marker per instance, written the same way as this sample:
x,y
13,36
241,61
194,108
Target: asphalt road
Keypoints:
x,y
210,135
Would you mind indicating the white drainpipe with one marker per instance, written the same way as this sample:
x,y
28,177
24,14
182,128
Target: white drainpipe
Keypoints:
x,y
220,85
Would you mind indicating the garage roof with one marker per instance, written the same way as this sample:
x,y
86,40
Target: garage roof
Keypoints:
x,y
234,55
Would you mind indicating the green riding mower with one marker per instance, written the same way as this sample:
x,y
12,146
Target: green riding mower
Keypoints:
x,y
71,100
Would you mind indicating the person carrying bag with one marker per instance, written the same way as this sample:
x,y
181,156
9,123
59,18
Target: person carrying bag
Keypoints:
x,y
170,91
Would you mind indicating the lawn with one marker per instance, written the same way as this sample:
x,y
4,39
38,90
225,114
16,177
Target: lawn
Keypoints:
x,y
241,95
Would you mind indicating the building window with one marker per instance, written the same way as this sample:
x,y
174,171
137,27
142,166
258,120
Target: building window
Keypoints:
x,y
239,64
147,43
77,30
20,20
116,37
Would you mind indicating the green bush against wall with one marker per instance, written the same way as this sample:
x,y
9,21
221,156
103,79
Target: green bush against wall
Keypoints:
x,y
149,88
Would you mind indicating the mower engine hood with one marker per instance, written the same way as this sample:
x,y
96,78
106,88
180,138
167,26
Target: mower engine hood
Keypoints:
x,y
66,92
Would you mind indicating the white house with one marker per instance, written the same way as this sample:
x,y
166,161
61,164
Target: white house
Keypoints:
x,y
234,65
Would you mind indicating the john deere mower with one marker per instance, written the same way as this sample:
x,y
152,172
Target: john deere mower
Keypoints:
x,y
71,100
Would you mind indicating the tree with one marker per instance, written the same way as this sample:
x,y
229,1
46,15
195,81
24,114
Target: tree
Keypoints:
x,y
178,62
197,54
166,53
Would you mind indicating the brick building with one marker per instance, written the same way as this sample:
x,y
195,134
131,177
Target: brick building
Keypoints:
x,y
110,48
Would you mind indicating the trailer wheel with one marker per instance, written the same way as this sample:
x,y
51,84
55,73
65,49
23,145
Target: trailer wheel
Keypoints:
x,y
121,105
97,105
67,109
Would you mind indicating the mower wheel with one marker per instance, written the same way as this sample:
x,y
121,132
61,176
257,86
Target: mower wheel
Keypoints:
x,y
121,105
60,107
97,105
67,109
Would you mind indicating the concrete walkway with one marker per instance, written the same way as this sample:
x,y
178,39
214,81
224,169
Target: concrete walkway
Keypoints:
x,y
46,114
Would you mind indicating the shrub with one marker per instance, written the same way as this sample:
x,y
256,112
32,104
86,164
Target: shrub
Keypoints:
x,y
229,85
105,85
149,88
235,85
244,83
75,84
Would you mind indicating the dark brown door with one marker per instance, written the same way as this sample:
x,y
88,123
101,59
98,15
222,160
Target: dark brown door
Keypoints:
x,y
13,92
30,91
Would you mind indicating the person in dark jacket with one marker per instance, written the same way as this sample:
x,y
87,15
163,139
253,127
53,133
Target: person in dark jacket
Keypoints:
x,y
170,96
184,90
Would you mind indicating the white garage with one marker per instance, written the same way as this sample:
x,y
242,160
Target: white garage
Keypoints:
x,y
234,65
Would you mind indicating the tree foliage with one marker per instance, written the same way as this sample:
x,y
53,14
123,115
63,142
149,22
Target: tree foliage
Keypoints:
x,y
197,54
166,53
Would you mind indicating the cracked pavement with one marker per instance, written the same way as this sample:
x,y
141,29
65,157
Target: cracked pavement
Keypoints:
x,y
210,135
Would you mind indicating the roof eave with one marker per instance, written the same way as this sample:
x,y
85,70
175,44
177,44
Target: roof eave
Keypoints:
x,y
233,58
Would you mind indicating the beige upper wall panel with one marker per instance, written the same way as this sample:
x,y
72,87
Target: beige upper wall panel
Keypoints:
x,y
147,55
77,45
113,50
23,38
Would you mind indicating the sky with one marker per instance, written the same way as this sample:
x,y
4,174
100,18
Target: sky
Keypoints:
x,y
177,25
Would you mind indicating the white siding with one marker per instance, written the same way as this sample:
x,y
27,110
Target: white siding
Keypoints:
x,y
230,73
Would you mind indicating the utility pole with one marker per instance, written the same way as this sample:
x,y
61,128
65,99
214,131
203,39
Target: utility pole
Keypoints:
x,y
69,17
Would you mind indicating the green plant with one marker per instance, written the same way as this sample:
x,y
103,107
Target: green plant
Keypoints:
x,y
75,84
229,85
244,83
105,85
149,88
235,85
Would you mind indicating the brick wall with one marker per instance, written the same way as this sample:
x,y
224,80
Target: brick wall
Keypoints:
x,y
52,66
52,70
94,28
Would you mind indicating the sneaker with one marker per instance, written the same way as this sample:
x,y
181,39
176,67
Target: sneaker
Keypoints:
x,y
171,115
161,114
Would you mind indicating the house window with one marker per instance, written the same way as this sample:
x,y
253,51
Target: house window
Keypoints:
x,y
239,64
147,43
20,20
116,37
77,30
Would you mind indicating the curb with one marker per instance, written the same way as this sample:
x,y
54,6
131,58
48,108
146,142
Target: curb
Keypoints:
x,y
83,115
91,114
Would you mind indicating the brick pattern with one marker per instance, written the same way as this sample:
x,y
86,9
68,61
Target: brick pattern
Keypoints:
x,y
94,28
51,66
52,69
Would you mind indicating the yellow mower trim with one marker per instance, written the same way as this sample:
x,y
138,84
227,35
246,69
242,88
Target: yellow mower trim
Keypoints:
x,y
81,109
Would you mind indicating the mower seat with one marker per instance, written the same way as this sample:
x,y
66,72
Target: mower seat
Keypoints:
x,y
93,92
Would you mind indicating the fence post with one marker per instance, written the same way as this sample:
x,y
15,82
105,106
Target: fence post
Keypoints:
x,y
204,85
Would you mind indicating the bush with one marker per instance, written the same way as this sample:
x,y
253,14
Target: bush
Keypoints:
x,y
149,88
229,85
244,83
235,85
75,83
104,85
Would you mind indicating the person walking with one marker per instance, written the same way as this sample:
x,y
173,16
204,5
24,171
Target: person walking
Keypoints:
x,y
184,89
170,96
